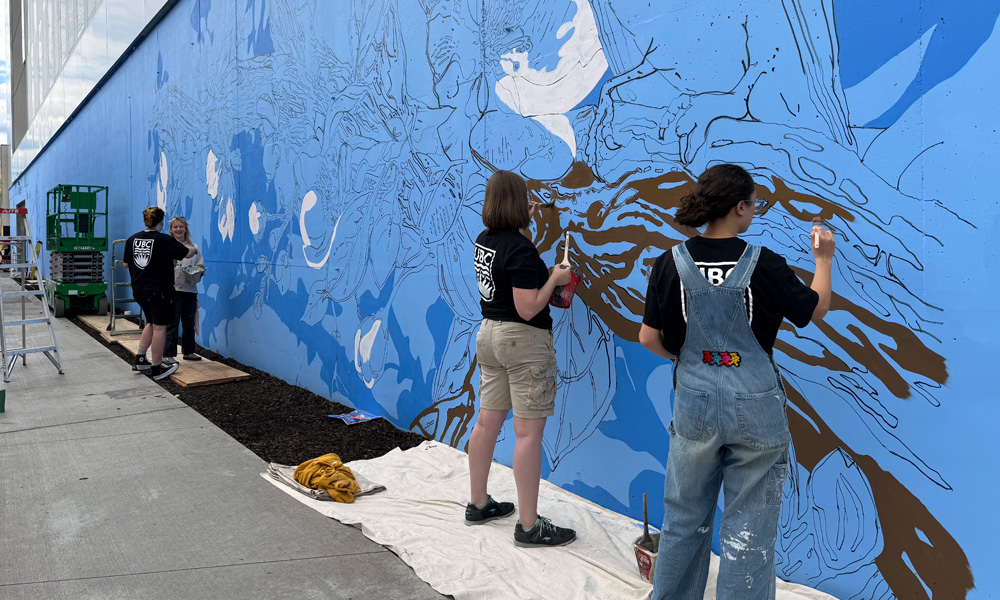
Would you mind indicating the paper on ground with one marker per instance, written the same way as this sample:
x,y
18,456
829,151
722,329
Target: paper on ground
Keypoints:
x,y
421,518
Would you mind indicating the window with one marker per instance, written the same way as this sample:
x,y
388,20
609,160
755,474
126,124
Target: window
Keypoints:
x,y
24,30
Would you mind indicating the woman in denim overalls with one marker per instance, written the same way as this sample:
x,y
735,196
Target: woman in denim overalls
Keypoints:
x,y
729,428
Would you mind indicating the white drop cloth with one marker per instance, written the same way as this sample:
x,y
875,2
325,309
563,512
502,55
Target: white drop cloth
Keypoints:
x,y
421,517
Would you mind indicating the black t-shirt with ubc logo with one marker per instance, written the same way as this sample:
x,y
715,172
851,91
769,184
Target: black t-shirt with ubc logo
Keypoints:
x,y
505,260
150,257
775,292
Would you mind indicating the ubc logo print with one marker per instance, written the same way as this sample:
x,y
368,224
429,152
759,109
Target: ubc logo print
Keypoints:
x,y
721,359
484,271
142,251
715,273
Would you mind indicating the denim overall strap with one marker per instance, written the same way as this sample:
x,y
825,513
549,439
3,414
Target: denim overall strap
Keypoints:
x,y
716,308
739,277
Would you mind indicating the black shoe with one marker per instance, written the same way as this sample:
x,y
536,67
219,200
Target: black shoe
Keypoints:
x,y
158,372
543,533
192,356
141,363
492,510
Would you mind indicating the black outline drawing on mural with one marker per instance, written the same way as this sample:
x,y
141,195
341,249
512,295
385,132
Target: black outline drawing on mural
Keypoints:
x,y
400,185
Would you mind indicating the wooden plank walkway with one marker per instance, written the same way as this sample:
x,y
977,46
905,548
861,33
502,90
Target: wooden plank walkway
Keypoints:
x,y
190,374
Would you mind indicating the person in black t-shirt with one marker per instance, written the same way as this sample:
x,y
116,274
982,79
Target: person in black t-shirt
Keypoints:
x,y
714,306
517,359
149,256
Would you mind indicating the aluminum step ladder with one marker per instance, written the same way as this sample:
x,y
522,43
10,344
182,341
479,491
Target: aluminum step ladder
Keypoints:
x,y
23,259
115,299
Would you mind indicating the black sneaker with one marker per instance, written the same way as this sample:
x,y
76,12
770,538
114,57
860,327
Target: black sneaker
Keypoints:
x,y
141,363
492,510
192,356
158,372
543,533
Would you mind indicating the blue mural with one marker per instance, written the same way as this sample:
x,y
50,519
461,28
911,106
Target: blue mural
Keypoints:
x,y
332,156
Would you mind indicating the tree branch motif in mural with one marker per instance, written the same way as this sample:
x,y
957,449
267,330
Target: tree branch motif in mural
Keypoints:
x,y
356,149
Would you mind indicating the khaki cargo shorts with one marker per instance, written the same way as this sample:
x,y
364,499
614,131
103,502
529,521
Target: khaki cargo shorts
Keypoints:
x,y
517,369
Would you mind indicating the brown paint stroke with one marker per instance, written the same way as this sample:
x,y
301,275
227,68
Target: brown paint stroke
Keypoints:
x,y
594,222
910,353
453,413
941,565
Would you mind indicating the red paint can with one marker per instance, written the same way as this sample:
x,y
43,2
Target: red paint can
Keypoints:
x,y
562,297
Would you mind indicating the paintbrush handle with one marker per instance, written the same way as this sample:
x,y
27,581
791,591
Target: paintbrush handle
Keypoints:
x,y
565,260
645,521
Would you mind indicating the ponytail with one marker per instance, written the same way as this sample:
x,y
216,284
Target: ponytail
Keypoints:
x,y
718,190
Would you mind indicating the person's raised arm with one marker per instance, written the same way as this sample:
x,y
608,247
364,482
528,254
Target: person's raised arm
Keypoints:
x,y
823,249
531,302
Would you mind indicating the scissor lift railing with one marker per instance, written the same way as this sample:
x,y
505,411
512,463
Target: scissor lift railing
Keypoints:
x,y
117,285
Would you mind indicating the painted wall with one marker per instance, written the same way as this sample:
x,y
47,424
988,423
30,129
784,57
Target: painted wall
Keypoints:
x,y
331,157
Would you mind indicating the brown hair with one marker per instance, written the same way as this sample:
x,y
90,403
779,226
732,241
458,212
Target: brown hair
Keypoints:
x,y
719,189
187,230
506,202
152,216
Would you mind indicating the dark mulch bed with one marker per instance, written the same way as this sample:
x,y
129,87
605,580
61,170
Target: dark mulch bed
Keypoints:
x,y
277,421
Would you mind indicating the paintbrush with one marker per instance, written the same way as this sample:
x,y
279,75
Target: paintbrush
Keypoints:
x,y
817,222
647,541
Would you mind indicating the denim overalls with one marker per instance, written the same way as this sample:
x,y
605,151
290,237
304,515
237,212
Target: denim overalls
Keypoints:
x,y
729,429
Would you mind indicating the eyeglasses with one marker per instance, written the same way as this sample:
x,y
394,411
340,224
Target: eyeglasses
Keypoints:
x,y
760,206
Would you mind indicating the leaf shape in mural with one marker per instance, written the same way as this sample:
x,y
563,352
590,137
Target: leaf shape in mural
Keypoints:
x,y
384,245
444,201
349,254
283,272
317,305
585,351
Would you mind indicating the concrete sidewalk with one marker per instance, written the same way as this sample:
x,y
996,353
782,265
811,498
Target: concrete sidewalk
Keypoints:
x,y
112,488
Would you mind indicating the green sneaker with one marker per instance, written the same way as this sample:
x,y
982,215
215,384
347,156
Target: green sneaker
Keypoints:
x,y
542,533
492,510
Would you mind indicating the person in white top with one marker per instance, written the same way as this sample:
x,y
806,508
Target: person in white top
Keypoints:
x,y
187,274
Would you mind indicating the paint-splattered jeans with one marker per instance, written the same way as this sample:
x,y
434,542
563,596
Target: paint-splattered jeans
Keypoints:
x,y
754,480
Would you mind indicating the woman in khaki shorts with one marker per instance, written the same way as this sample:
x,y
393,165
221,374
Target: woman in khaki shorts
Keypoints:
x,y
517,361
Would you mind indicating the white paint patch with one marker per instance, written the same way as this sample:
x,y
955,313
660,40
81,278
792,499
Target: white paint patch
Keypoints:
x,y
161,184
227,220
546,95
212,175
737,544
308,202
254,218
703,530
363,349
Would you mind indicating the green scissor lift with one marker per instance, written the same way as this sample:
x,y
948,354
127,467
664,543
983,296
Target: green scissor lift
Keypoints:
x,y
76,233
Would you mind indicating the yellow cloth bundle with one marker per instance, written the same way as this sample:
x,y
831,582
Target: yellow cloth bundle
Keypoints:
x,y
328,473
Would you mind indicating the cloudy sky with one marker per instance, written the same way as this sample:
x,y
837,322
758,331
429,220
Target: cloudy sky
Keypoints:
x,y
4,73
